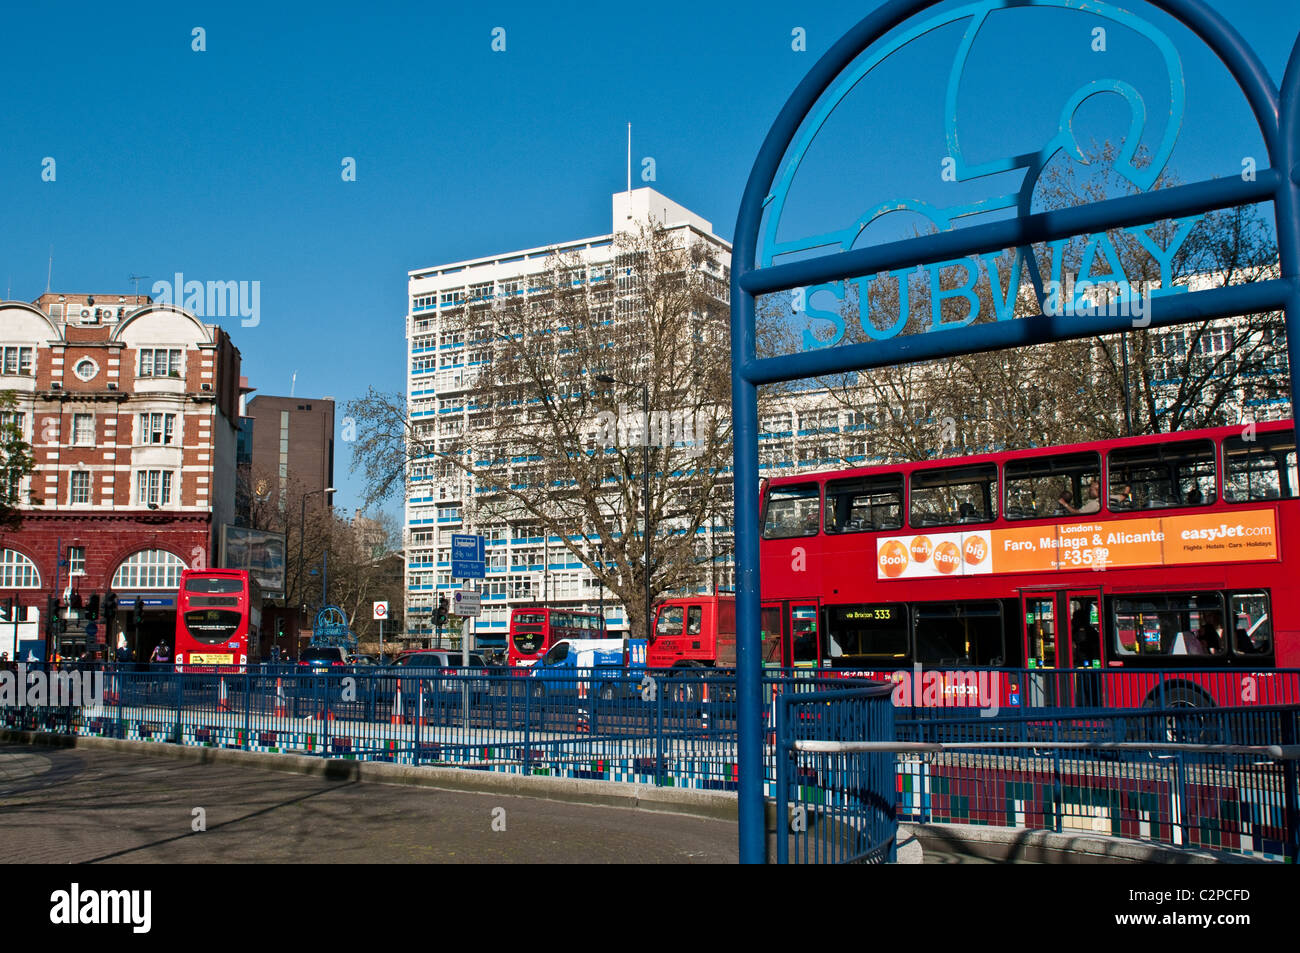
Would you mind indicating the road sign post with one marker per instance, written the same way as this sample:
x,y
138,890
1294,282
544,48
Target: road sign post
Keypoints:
x,y
468,561
381,613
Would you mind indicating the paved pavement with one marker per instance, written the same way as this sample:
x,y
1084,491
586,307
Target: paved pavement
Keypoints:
x,y
87,806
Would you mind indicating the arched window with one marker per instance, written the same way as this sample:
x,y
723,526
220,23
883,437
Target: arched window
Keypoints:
x,y
17,571
149,569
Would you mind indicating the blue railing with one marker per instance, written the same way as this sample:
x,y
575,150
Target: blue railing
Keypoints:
x,y
1222,777
837,806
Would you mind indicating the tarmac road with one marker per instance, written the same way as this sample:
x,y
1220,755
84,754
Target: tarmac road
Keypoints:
x,y
87,806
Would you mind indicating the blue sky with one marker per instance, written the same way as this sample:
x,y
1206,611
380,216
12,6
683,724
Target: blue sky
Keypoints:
x,y
225,164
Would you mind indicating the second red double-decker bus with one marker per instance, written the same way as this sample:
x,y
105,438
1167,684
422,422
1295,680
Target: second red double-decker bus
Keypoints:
x,y
534,630
218,620
1160,552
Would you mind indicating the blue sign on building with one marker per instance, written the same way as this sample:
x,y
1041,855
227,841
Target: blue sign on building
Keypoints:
x,y
467,559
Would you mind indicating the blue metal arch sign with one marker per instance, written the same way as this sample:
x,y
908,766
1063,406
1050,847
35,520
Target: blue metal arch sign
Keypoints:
x,y
759,247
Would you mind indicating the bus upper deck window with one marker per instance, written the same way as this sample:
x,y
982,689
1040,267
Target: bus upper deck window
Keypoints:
x,y
1261,468
864,504
792,511
1162,475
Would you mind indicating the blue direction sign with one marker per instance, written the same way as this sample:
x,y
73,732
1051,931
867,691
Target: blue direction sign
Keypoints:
x,y
467,559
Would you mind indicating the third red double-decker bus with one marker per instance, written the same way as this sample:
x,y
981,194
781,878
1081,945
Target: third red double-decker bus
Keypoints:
x,y
1160,552
218,620
534,630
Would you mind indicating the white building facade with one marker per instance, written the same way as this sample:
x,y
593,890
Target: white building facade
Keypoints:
x,y
525,566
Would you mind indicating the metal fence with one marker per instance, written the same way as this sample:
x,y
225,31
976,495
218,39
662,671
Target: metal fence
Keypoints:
x,y
667,728
837,806
1082,769
1221,779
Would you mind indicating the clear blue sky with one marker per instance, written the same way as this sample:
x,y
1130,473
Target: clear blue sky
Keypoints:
x,y
225,164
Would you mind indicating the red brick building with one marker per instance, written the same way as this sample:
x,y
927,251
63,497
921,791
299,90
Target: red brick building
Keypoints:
x,y
131,410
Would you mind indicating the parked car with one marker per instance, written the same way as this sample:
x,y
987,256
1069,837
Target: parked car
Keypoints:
x,y
429,660
321,658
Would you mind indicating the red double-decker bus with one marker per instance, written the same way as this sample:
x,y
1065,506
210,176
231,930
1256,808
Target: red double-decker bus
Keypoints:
x,y
218,620
533,630
1161,553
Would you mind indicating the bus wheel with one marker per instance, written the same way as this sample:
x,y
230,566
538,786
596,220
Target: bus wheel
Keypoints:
x,y
1188,726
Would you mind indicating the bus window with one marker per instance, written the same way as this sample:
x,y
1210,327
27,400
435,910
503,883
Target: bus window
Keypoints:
x,y
866,634
955,495
770,633
791,511
1252,625
803,634
864,504
1162,475
1260,469
1179,624
958,633
1053,486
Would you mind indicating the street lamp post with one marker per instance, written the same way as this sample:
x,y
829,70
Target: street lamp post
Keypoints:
x,y
302,530
600,550
645,479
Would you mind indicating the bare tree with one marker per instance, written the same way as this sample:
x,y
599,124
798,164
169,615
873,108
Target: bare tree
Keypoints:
x,y
1201,374
548,443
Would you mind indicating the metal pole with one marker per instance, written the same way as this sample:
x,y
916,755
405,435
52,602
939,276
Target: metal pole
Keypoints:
x,y
645,469
600,577
302,533
54,623
1128,406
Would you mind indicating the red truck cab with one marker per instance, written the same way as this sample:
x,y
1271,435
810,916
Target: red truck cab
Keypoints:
x,y
694,631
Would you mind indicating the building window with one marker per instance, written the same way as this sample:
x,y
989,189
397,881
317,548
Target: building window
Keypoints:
x,y
86,369
76,560
157,428
160,362
17,360
17,571
15,419
80,492
153,487
83,430
149,569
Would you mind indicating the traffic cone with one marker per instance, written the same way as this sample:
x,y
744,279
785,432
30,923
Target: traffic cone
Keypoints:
x,y
281,709
419,718
397,718
223,703
704,703
584,719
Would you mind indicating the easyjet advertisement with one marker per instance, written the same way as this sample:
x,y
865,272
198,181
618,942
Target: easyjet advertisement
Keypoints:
x,y
1247,536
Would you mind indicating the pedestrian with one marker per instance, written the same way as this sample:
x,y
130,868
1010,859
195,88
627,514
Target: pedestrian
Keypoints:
x,y
160,656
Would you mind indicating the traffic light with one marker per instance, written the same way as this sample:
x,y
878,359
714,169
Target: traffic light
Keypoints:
x,y
279,627
110,607
76,600
137,614
440,617
51,617
7,604
92,610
